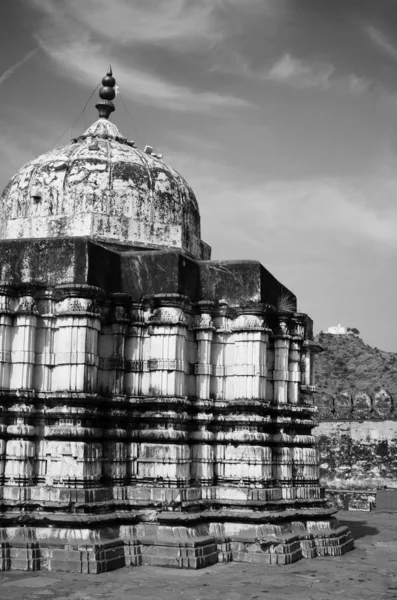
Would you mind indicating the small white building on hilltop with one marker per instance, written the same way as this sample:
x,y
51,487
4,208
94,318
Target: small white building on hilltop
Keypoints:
x,y
337,330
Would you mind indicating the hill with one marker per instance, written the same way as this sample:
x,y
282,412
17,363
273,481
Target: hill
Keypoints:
x,y
349,365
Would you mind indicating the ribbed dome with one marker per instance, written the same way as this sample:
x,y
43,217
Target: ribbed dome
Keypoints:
x,y
102,186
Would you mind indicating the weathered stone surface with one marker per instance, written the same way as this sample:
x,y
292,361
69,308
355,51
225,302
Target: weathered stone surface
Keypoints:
x,y
241,283
102,186
358,454
367,573
50,262
169,272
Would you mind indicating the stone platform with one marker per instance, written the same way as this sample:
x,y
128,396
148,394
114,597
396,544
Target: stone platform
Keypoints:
x,y
78,542
367,573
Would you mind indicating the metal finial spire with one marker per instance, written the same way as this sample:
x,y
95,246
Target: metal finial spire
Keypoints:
x,y
107,93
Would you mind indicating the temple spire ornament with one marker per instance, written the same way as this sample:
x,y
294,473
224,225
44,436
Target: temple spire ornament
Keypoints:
x,y
107,93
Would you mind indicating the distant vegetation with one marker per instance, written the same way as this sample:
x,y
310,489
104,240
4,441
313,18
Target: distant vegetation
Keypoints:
x,y
353,330
349,365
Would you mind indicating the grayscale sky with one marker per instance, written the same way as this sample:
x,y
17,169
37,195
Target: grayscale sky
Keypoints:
x,y
281,114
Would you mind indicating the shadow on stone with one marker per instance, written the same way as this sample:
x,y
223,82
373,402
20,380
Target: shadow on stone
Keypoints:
x,y
359,529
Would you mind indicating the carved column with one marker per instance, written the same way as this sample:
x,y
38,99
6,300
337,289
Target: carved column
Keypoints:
x,y
270,370
250,368
204,334
161,422
221,338
72,451
282,464
281,354
167,330
112,346
202,467
23,341
3,443
76,339
115,455
7,305
294,366
20,448
135,360
44,367
306,366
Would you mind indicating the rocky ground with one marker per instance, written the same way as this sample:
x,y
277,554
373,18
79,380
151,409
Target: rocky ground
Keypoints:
x,y
368,572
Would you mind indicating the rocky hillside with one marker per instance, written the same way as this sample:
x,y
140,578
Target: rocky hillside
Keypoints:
x,y
349,365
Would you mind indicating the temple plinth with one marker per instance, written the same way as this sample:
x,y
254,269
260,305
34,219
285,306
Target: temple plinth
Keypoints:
x,y
156,406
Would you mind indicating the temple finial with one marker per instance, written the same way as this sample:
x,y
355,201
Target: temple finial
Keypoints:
x,y
107,93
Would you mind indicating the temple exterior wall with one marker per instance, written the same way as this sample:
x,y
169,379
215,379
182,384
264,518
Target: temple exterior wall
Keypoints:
x,y
139,427
75,343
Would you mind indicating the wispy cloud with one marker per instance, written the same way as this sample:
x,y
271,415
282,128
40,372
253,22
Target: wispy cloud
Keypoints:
x,y
17,65
177,23
299,74
79,31
140,85
382,42
312,213
321,76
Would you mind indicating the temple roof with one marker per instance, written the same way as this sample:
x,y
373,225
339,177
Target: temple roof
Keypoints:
x,y
101,185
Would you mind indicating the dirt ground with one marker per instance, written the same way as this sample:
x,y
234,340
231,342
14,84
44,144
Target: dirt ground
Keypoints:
x,y
368,572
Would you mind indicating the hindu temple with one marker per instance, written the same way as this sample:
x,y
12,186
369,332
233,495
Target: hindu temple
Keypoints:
x,y
156,406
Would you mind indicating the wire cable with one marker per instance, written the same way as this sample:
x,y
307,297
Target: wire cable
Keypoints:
x,y
131,119
77,118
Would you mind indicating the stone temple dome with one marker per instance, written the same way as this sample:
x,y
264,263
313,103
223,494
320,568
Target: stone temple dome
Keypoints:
x,y
100,185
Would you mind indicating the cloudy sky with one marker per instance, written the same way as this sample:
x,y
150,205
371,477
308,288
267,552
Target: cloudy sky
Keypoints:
x,y
281,114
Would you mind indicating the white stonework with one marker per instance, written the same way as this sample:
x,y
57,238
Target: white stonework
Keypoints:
x,y
101,185
336,330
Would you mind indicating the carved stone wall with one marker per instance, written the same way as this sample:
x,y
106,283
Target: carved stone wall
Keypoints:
x,y
161,390
161,404
357,438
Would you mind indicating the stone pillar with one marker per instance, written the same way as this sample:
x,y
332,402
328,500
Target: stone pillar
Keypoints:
x,y
72,451
312,371
204,334
250,369
270,370
221,338
305,467
112,346
306,366
115,452
162,423
76,338
297,333
202,467
20,447
132,455
44,366
135,361
239,463
282,464
3,443
23,342
164,460
281,355
7,305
